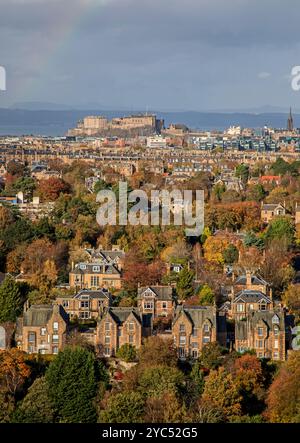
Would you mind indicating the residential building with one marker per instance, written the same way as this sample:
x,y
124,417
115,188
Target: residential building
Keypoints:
x,y
119,326
85,304
159,301
250,300
195,326
264,332
42,329
269,211
95,276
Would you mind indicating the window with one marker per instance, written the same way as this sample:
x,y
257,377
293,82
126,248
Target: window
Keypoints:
x,y
194,333
148,305
43,331
276,355
275,344
260,354
260,331
31,337
164,305
131,326
251,307
182,327
107,352
84,315
131,339
55,326
263,307
55,350
259,344
84,304
42,351
107,340
240,307
82,266
65,303
276,331
206,328
55,338
182,340
181,352
275,320
194,353
206,339
119,332
96,268
100,303
194,344
95,280
107,326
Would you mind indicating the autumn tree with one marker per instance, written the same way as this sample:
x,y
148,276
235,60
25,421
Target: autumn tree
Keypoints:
x,y
50,189
127,352
212,355
157,351
222,393
284,394
14,370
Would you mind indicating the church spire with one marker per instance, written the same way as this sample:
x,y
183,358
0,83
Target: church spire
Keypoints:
x,y
290,122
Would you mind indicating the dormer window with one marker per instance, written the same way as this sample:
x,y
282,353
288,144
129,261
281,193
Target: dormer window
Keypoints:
x,y
206,328
82,266
276,331
263,307
131,326
275,320
96,268
182,327
240,307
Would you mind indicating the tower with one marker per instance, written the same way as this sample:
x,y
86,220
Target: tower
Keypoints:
x,y
290,122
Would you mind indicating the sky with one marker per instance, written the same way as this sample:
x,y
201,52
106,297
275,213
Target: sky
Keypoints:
x,y
150,54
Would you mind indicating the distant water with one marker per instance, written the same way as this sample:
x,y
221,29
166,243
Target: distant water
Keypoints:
x,y
57,123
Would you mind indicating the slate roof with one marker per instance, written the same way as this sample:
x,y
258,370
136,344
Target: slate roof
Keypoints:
x,y
104,269
39,315
161,292
271,206
256,317
251,296
120,315
98,294
255,280
197,314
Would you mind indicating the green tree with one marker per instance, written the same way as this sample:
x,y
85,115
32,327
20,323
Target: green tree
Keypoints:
x,y
10,300
156,380
212,355
125,407
279,228
206,296
36,407
184,285
231,254
127,352
72,382
242,171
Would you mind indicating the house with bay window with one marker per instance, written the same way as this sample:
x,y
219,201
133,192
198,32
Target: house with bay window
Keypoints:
x,y
157,300
86,304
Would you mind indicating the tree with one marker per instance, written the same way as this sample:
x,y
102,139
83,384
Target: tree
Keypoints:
x,y
214,248
291,298
281,228
222,392
156,380
197,376
184,285
284,393
127,352
10,300
231,254
157,351
212,355
36,407
164,409
242,171
14,370
206,296
6,217
72,383
50,189
124,407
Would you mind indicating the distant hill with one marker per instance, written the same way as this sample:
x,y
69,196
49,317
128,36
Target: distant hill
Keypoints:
x,y
57,122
